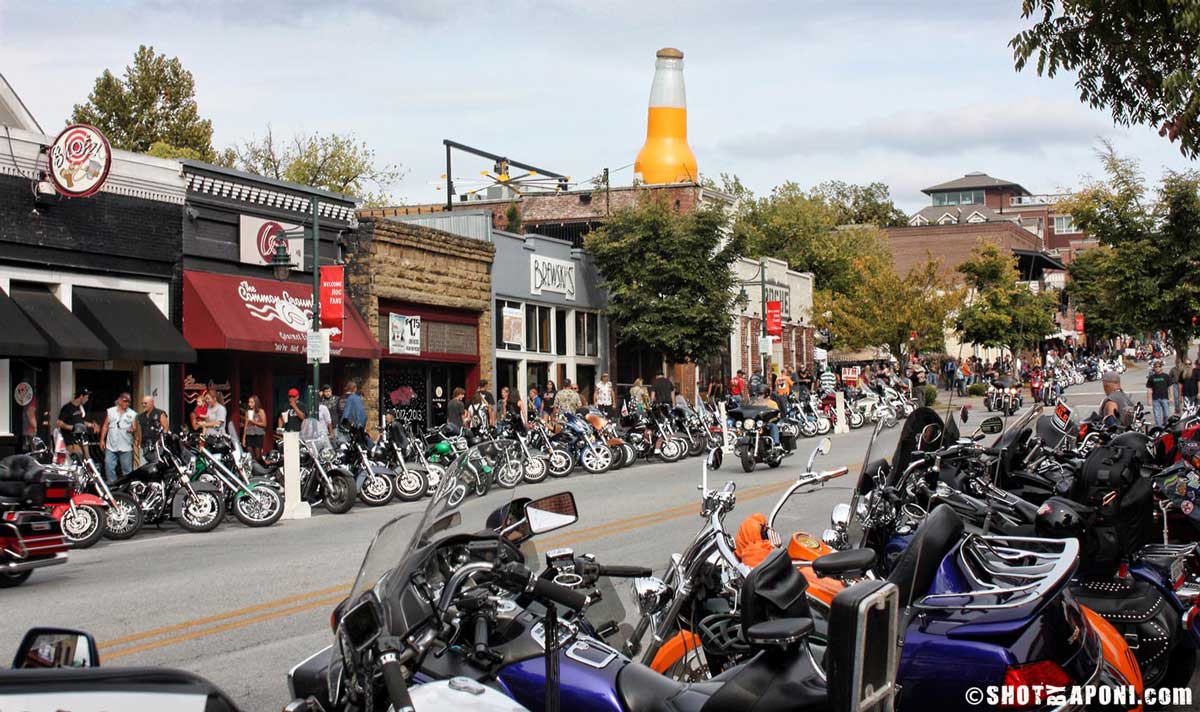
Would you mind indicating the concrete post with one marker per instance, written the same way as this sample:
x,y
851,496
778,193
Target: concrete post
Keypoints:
x,y
293,506
840,424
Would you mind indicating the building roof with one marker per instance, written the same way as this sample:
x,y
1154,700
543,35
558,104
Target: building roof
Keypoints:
x,y
972,181
953,244
192,166
959,215
13,111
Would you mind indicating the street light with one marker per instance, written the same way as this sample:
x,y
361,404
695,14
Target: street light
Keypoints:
x,y
743,296
281,266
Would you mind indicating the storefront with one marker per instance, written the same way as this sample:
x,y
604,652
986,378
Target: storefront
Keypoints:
x,y
249,328
548,316
426,296
792,348
88,281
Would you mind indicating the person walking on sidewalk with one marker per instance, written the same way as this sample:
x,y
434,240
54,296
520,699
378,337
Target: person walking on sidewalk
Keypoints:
x,y
1158,392
116,438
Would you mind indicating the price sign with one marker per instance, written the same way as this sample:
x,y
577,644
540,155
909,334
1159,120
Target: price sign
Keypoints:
x,y
318,346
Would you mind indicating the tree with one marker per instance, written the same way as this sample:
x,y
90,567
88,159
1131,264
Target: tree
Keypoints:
x,y
669,277
154,103
1000,311
861,204
1094,289
802,228
888,308
340,163
1140,59
1147,276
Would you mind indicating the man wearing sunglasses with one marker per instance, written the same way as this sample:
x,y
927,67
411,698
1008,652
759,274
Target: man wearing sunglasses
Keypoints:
x,y
116,438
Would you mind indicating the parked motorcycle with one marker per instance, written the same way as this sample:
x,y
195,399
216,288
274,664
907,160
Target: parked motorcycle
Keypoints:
x,y
585,445
403,451
322,479
373,479
624,453
167,487
122,515
646,431
559,462
255,501
30,538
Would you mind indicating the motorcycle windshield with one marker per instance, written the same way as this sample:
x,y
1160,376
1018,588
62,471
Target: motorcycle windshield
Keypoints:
x,y
1014,428
854,526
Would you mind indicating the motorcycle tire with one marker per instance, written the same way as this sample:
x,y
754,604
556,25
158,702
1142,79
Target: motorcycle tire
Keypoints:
x,y
696,445
483,483
597,459
618,458
263,511
808,428
856,420
747,460
377,490
203,512
559,462
123,518
12,580
823,426
630,454
411,485
536,470
510,473
340,497
83,527
671,450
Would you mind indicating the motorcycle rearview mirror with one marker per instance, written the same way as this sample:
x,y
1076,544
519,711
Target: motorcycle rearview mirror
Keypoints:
x,y
964,413
840,518
553,512
992,425
715,457
822,448
930,434
56,648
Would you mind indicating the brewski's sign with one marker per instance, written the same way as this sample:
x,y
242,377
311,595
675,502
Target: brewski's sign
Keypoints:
x,y
547,274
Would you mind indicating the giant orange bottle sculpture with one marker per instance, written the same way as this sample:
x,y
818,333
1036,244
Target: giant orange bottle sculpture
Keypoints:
x,y
666,157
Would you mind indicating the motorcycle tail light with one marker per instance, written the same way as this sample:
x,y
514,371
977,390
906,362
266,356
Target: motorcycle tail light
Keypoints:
x,y
1034,676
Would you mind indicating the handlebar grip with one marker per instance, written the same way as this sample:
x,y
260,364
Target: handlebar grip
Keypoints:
x,y
393,677
481,634
834,474
544,588
625,571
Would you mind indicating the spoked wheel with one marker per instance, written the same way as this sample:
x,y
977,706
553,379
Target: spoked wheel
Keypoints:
x,y
824,425
483,483
123,518
377,489
411,485
670,450
597,459
433,477
630,453
201,512
509,473
340,496
260,507
856,420
536,469
808,428
83,527
696,444
559,462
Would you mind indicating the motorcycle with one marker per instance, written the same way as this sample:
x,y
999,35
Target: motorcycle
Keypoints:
x,y
755,443
254,501
30,538
623,452
439,584
374,480
578,435
687,424
322,479
396,447
167,487
559,462
533,464
122,515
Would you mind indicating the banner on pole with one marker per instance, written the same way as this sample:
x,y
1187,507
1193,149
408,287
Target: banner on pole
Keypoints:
x,y
333,301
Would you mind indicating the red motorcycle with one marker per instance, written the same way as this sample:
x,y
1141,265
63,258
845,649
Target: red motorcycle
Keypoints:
x,y
1036,381
29,537
81,514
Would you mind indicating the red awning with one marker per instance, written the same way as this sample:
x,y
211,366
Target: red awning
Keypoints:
x,y
222,311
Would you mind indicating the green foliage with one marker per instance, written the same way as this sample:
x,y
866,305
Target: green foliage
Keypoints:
x,y
1000,311
162,149
669,277
931,394
154,103
513,216
340,163
886,308
802,228
1140,59
977,389
1145,275
861,204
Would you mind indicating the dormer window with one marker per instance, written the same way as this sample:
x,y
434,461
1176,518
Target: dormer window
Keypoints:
x,y
918,220
948,219
976,217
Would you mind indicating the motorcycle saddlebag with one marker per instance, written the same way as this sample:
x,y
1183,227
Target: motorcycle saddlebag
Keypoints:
x,y
787,441
1139,613
1110,482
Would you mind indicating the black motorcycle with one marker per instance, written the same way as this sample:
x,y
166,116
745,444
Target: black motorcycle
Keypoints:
x,y
167,488
376,486
754,442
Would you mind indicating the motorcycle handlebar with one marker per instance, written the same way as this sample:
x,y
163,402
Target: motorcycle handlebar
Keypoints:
x,y
520,579
624,571
393,678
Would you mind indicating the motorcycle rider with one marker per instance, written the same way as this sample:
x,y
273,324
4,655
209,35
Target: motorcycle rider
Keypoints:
x,y
763,398
1117,404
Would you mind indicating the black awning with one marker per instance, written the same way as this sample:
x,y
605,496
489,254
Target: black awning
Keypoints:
x,y
131,326
18,336
67,338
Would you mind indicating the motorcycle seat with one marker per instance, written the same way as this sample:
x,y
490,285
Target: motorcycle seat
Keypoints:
x,y
644,690
844,563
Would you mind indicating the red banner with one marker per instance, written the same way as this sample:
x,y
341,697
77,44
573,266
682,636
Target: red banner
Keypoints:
x,y
1079,322
333,301
775,318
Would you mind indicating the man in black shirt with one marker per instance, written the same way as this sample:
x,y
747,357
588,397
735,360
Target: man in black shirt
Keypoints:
x,y
293,417
1158,391
73,413
455,410
151,423
663,390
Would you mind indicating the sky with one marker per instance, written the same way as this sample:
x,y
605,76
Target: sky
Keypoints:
x,y
909,93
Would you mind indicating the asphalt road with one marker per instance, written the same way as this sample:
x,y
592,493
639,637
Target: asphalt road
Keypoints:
x,y
242,606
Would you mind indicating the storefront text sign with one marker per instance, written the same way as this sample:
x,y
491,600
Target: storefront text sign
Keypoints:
x,y
79,161
774,318
291,312
333,297
404,334
257,237
783,295
514,325
850,375
547,274
1079,322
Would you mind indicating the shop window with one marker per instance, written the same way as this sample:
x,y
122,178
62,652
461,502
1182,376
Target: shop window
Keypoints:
x,y
537,328
560,332
587,337
508,330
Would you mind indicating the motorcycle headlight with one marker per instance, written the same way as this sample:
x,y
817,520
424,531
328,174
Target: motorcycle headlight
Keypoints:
x,y
758,424
651,595
327,454
748,424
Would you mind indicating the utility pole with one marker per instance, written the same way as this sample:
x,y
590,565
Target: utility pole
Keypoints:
x,y
316,303
762,293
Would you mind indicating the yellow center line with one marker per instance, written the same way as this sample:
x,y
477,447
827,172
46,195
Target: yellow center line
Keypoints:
x,y
333,595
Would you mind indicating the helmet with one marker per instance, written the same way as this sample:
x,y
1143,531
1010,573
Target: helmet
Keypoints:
x,y
1061,518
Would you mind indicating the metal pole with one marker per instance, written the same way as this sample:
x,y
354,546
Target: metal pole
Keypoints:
x,y
762,293
316,302
449,183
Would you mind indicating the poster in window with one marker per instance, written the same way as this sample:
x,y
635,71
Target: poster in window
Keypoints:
x,y
514,325
404,334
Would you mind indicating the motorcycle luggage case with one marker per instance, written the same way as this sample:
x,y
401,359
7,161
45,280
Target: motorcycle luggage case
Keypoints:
x,y
1139,612
787,441
36,534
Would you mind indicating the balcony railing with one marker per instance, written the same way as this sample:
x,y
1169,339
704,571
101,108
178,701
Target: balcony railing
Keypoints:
x,y
1018,201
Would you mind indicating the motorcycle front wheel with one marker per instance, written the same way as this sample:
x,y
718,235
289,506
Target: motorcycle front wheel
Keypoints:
x,y
11,580
856,420
824,425
536,470
82,527
340,496
696,445
509,473
202,512
630,453
747,459
411,485
597,459
261,507
670,450
377,490
123,518
559,462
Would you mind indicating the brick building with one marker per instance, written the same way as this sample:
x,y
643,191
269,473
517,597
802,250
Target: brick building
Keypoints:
x,y
793,348
400,273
